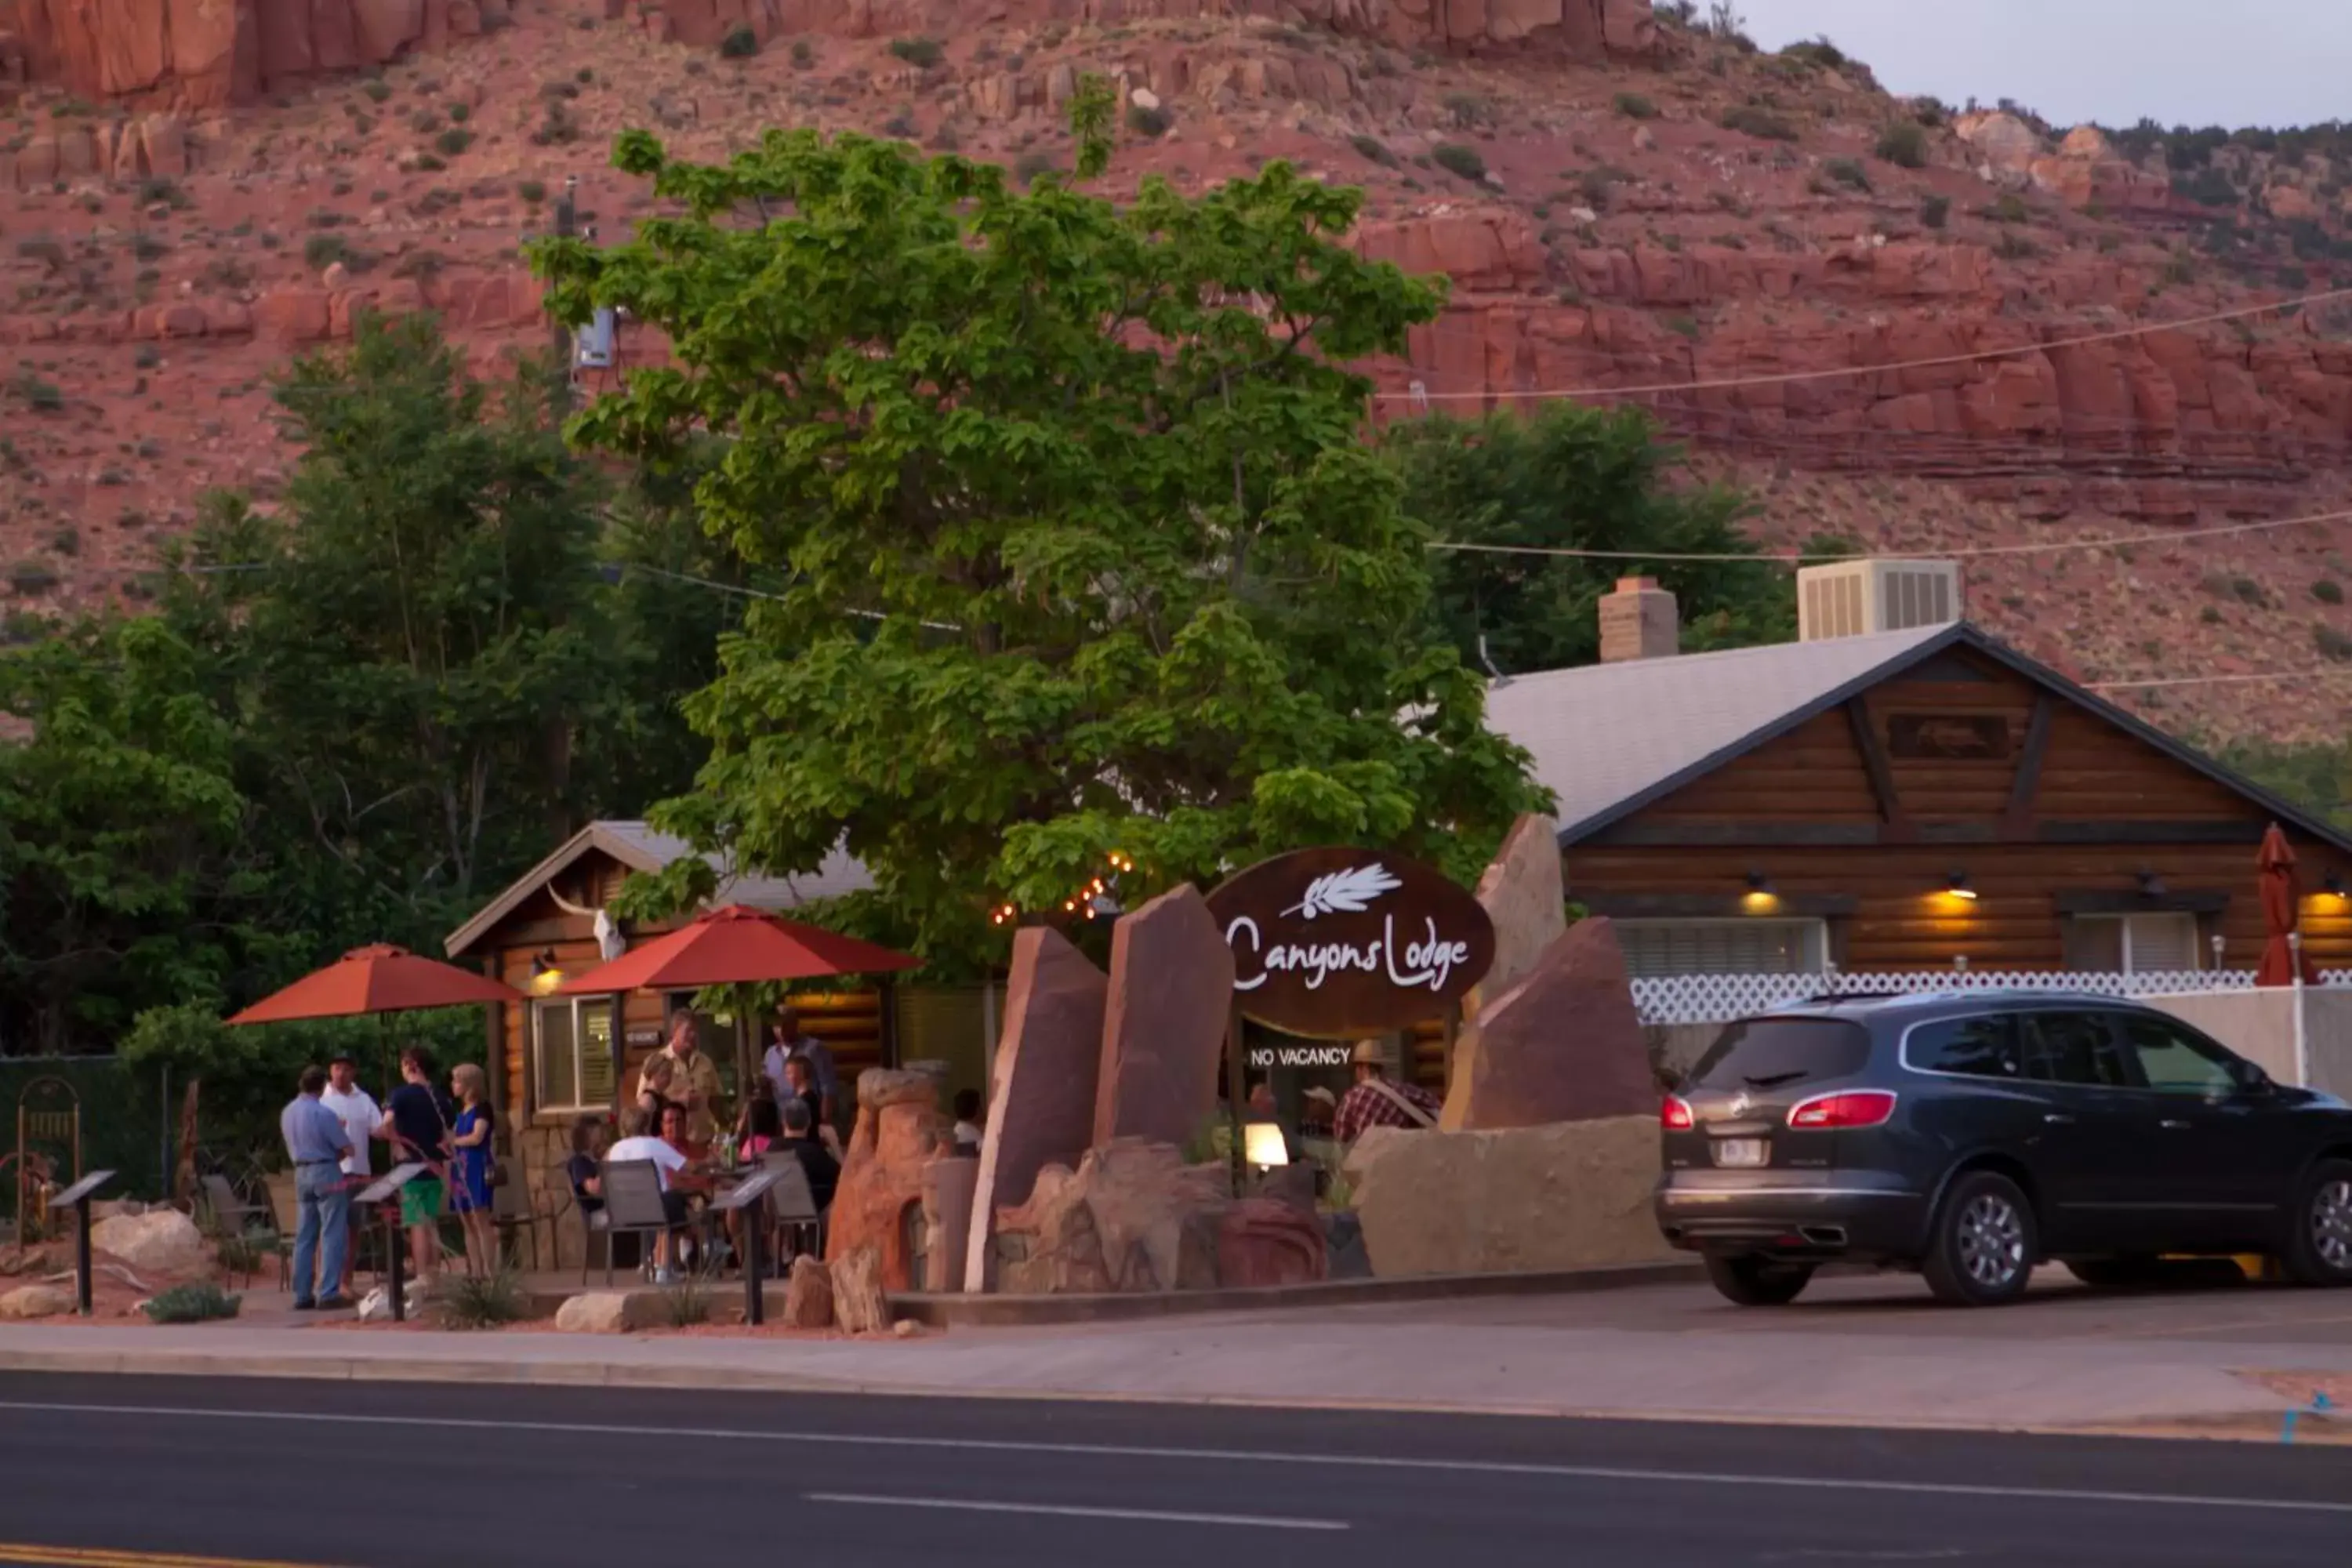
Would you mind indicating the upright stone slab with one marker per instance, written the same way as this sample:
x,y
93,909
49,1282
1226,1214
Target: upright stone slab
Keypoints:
x,y
1522,893
1563,1045
949,1183
1040,1097
1172,987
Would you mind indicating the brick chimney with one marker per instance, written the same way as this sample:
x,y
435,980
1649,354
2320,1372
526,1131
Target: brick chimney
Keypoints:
x,y
1638,621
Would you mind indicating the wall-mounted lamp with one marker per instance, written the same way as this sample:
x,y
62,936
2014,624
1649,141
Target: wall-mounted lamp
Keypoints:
x,y
544,975
1758,882
2335,885
2151,886
1958,886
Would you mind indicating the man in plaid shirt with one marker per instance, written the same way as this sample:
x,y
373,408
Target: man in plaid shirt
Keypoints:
x,y
1376,1102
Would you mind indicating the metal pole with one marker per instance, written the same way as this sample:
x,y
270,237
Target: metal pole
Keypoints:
x,y
755,1268
398,1243
81,1253
1234,1093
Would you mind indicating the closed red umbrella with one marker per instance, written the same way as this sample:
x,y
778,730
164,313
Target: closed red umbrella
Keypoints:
x,y
2275,862
378,979
737,945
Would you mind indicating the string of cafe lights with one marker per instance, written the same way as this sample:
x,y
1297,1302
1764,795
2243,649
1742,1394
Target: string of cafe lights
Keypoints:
x,y
1098,897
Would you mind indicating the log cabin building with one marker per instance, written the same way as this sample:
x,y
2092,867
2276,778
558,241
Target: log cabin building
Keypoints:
x,y
552,1058
1917,798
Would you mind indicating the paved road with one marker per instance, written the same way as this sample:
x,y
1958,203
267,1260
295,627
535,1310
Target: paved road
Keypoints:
x,y
117,1471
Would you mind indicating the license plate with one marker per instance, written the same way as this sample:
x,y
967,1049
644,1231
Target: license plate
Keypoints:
x,y
1741,1150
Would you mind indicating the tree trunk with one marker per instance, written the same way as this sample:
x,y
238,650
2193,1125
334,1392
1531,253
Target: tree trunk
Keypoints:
x,y
183,1161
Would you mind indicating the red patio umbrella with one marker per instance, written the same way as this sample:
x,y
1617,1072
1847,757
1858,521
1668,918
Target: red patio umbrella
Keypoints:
x,y
2275,862
378,979
737,945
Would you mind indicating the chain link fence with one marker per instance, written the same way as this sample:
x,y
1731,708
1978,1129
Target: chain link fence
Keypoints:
x,y
121,1112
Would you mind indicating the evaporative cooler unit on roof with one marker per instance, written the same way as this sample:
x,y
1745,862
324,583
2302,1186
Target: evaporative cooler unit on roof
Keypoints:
x,y
1859,598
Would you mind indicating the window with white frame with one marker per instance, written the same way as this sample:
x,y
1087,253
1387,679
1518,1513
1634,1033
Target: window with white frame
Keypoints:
x,y
574,1039
2160,943
1729,946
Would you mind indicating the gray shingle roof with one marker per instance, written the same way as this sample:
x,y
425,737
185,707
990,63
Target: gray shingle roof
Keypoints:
x,y
1609,737
638,846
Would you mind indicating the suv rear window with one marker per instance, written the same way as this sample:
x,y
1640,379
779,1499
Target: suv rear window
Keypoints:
x,y
1768,1053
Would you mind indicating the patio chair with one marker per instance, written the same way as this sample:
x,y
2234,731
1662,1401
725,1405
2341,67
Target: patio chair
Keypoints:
x,y
792,1213
513,1213
252,1227
633,1205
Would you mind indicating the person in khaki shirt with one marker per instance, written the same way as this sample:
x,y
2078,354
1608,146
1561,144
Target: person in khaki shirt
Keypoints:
x,y
693,1080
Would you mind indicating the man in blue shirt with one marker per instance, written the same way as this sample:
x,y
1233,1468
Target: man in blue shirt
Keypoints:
x,y
317,1143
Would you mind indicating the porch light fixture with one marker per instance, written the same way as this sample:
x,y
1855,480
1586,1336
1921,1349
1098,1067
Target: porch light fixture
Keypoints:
x,y
545,976
2335,886
1760,899
1959,887
2151,886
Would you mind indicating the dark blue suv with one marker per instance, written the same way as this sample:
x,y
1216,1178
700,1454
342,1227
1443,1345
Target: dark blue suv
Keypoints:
x,y
1971,1135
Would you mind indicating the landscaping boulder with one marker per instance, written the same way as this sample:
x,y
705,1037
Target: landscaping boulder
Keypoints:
x,y
1524,896
808,1295
1133,1217
899,1129
1563,1044
859,1305
159,1242
611,1312
36,1301
1572,1195
1042,1092
949,1183
1265,1241
1169,1001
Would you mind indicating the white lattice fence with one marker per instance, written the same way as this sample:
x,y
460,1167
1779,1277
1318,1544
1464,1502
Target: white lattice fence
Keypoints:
x,y
1718,998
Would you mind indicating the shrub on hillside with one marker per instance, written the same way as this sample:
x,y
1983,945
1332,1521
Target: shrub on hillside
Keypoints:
x,y
1761,124
740,43
1904,144
1456,159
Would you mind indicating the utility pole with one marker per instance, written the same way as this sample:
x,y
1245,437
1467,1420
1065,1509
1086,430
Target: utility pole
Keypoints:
x,y
567,213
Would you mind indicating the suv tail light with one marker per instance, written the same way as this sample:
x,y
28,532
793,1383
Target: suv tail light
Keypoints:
x,y
1855,1108
1674,1115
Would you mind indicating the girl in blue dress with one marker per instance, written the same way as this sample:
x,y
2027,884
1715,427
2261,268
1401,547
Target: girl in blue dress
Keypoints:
x,y
469,1170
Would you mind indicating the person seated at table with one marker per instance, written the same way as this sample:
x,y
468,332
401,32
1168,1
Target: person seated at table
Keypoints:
x,y
637,1143
585,1168
824,1171
967,1129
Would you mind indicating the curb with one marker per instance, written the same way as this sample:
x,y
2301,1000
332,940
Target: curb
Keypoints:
x,y
707,1379
956,1311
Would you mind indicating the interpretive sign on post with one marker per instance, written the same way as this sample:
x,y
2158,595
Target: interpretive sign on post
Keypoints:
x,y
1335,943
386,1189
76,1198
745,1195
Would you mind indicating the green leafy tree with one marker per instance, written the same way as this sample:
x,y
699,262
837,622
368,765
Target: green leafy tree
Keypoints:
x,y
1080,549
123,881
1576,477
416,644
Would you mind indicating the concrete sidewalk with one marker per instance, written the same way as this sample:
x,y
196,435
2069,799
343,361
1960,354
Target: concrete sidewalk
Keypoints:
x,y
1562,1358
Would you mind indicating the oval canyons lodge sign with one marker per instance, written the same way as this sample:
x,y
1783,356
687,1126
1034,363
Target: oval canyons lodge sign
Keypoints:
x,y
1340,943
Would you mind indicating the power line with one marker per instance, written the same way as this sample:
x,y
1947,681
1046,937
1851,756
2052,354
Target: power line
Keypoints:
x,y
1786,378
1798,558
2326,673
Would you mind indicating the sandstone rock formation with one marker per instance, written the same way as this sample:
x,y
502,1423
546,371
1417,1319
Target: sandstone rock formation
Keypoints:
x,y
900,1129
1263,1241
205,54
808,1295
949,1183
1170,999
1572,1195
1132,1216
859,1305
1041,1101
160,1242
1522,893
36,1301
611,1312
1562,1045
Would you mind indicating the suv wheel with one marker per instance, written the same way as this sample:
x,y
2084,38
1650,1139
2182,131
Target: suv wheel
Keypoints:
x,y
1982,1250
1758,1281
2319,1250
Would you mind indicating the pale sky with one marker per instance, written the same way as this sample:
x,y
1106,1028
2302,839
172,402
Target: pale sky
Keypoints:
x,y
2192,62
